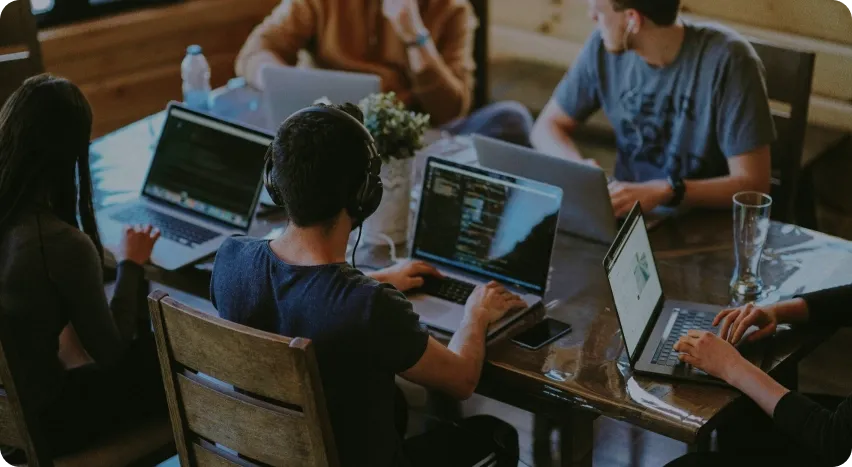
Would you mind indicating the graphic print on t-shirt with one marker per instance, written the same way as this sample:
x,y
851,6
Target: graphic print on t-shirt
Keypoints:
x,y
651,121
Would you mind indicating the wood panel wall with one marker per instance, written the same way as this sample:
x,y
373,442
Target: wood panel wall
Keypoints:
x,y
129,65
553,31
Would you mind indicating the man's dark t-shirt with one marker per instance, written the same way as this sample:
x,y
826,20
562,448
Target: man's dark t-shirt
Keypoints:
x,y
363,332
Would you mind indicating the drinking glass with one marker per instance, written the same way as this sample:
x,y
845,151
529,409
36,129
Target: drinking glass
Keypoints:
x,y
751,226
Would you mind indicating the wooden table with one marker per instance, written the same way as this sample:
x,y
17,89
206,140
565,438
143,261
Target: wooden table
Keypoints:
x,y
585,373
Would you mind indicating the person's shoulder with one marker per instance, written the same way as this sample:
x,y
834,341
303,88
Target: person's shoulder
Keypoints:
x,y
233,246
69,242
729,43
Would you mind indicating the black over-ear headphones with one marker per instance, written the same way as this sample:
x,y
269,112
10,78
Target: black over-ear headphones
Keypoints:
x,y
367,196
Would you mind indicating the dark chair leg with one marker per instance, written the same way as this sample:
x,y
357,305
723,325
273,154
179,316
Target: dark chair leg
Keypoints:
x,y
805,202
542,431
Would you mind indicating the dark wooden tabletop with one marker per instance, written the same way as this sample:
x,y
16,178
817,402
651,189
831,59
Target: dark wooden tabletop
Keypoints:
x,y
586,368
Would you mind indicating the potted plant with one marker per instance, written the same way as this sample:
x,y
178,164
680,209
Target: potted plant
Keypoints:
x,y
398,133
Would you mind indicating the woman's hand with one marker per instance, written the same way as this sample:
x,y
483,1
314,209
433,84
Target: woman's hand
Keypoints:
x,y
736,321
137,243
708,352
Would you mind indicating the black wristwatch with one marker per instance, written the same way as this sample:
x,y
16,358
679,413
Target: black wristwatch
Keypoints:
x,y
678,188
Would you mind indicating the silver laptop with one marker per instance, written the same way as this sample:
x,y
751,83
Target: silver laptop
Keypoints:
x,y
650,323
202,186
586,205
289,89
476,225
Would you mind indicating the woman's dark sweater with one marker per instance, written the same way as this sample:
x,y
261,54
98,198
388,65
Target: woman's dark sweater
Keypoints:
x,y
825,432
51,275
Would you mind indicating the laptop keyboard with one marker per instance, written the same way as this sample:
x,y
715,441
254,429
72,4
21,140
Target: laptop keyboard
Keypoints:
x,y
172,228
447,288
686,320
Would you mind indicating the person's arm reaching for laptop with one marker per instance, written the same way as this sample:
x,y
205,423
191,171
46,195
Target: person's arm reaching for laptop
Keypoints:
x,y
456,369
278,39
441,68
401,344
574,100
748,172
552,132
826,432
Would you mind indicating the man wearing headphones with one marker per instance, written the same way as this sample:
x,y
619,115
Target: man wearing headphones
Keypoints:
x,y
688,103
323,168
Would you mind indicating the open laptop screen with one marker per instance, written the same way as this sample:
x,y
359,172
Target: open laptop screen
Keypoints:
x,y
494,225
632,273
208,166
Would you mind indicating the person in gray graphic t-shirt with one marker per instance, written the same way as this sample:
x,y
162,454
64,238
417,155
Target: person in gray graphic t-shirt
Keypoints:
x,y
688,104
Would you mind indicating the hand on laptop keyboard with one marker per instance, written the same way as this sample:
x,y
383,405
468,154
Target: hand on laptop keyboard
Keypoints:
x,y
137,243
490,302
736,322
710,353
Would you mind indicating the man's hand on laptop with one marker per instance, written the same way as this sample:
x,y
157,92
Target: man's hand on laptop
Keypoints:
x,y
649,194
405,275
490,302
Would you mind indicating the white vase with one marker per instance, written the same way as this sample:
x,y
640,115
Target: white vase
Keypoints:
x,y
392,218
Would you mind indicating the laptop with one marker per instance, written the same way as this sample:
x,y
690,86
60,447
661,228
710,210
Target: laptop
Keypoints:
x,y
477,225
202,186
289,89
586,205
650,323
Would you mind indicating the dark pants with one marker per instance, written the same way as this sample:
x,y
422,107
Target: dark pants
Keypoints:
x,y
476,441
95,402
508,121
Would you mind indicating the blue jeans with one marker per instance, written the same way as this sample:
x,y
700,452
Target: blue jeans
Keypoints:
x,y
508,121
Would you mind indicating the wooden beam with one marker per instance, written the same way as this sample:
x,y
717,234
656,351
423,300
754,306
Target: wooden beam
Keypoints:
x,y
570,21
105,33
820,19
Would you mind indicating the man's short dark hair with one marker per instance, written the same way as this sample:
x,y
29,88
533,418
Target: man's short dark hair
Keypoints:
x,y
319,163
661,12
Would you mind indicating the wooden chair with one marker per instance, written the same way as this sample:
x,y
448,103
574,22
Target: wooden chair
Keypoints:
x,y
265,405
481,90
20,53
789,76
143,445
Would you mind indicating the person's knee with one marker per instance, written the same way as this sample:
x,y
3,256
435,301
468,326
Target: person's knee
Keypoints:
x,y
511,112
501,432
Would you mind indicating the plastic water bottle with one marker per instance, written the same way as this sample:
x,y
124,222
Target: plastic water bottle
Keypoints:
x,y
195,72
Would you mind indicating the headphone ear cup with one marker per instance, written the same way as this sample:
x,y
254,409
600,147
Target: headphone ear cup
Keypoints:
x,y
269,183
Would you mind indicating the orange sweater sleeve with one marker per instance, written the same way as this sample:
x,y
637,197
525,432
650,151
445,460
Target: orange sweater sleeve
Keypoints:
x,y
278,39
444,90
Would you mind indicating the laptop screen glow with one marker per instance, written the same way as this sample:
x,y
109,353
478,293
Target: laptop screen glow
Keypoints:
x,y
208,167
635,285
494,225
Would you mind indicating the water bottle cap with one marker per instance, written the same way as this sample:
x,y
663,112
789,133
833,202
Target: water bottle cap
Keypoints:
x,y
194,49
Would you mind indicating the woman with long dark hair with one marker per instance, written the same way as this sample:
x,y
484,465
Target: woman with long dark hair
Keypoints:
x,y
51,276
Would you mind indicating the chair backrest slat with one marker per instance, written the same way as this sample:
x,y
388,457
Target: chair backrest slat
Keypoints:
x,y
271,436
236,389
18,422
209,455
789,77
260,366
9,433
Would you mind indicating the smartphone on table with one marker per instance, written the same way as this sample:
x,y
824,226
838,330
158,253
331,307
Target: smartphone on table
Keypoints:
x,y
542,333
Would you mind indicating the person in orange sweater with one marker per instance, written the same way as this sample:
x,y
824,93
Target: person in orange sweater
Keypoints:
x,y
421,49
